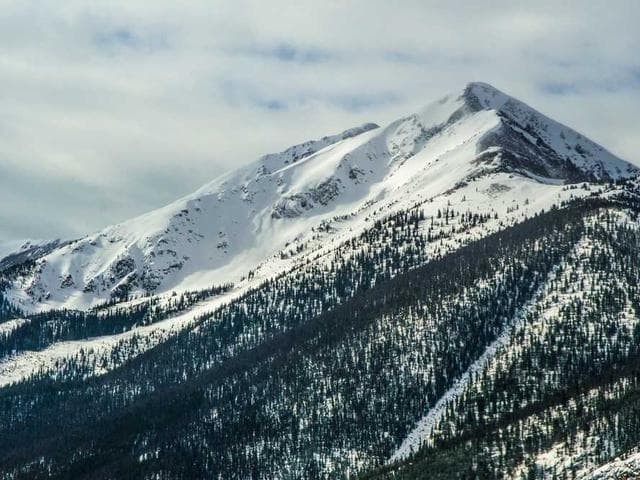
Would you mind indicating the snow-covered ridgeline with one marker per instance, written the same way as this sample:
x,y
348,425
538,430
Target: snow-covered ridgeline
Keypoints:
x,y
485,197
224,230
497,193
135,342
423,430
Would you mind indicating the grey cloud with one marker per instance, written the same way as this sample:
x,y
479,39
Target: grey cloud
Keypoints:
x,y
286,52
118,38
132,104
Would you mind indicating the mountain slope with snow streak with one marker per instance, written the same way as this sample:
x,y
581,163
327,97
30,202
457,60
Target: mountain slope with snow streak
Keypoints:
x,y
238,225
558,398
336,361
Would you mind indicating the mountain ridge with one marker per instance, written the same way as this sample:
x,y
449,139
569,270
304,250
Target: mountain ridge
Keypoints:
x,y
245,217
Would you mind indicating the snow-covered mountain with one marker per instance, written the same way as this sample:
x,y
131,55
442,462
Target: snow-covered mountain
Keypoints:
x,y
477,143
21,251
454,295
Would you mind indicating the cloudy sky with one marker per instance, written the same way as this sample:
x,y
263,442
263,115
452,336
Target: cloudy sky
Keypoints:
x,y
110,109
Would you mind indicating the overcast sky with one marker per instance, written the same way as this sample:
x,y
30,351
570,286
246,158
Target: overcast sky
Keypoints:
x,y
110,109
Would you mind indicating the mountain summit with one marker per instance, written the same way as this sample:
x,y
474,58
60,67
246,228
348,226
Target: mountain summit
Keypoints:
x,y
239,224
530,142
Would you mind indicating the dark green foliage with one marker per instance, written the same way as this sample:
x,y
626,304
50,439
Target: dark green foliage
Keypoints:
x,y
321,372
44,329
572,384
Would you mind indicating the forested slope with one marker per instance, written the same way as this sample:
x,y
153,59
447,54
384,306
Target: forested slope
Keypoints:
x,y
561,397
322,372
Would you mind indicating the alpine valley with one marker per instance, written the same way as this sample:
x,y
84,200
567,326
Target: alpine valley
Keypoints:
x,y
452,295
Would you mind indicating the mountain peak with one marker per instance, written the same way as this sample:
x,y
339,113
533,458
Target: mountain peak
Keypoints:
x,y
484,96
479,136
523,140
472,98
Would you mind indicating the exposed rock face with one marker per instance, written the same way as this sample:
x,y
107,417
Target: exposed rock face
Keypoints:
x,y
295,205
29,253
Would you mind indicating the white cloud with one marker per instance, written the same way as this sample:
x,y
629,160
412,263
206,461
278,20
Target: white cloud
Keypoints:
x,y
108,109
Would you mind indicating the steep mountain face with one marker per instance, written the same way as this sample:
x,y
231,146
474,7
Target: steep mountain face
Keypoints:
x,y
557,396
530,143
454,295
21,253
237,225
